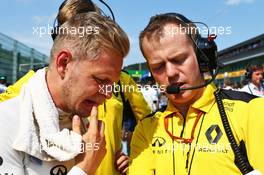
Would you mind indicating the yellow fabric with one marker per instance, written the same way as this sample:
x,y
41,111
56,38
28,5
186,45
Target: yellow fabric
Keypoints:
x,y
112,114
13,91
210,152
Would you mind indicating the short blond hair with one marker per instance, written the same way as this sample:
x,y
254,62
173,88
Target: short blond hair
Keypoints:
x,y
102,33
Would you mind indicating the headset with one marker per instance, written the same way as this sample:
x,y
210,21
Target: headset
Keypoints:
x,y
248,73
206,52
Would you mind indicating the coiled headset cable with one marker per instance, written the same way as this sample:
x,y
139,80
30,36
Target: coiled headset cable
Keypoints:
x,y
240,160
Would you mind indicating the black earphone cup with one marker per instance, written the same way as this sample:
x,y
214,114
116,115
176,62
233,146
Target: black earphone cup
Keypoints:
x,y
248,74
206,54
202,61
206,49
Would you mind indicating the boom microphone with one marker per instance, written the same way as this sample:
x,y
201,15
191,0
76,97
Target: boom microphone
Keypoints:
x,y
175,89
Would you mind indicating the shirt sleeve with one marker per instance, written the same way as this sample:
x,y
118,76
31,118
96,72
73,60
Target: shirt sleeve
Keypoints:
x,y
76,171
254,134
141,160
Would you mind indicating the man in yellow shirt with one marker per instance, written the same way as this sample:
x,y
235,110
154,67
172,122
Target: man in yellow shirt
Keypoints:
x,y
190,136
111,112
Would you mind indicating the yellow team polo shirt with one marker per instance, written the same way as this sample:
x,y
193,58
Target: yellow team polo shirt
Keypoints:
x,y
112,115
162,144
13,91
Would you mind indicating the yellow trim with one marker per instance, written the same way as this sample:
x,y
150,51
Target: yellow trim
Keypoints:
x,y
233,74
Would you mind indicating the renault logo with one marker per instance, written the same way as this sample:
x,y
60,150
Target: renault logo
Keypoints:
x,y
214,129
58,170
158,141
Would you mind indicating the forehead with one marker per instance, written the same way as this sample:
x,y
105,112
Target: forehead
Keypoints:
x,y
108,62
170,31
258,71
170,40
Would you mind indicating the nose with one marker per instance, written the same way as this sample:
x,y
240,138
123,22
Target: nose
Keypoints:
x,y
106,91
108,95
261,76
171,70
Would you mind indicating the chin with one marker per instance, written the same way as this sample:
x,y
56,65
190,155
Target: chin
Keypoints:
x,y
84,109
182,97
83,112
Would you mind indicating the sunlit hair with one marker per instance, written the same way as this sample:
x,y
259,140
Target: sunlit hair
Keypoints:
x,y
85,32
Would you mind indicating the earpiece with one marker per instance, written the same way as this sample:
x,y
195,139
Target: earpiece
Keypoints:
x,y
248,74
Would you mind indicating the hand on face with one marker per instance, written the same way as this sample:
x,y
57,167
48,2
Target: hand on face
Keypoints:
x,y
94,137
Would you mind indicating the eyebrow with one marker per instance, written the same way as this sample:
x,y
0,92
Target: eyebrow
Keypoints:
x,y
181,54
111,79
156,63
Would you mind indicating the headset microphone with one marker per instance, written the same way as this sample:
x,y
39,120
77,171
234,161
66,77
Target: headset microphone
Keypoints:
x,y
175,89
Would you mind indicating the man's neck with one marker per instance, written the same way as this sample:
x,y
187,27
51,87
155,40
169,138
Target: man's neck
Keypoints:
x,y
255,85
183,108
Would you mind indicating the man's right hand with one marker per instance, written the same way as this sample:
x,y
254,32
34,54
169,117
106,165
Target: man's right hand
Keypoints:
x,y
93,155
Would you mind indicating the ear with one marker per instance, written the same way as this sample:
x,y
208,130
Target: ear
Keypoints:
x,y
62,61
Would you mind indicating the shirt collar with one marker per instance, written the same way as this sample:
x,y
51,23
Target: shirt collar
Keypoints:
x,y
170,109
204,103
252,86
